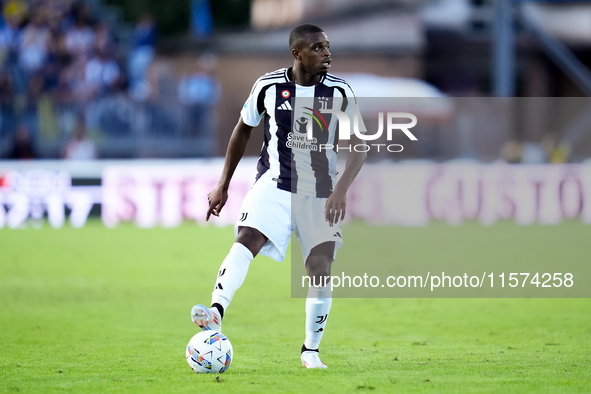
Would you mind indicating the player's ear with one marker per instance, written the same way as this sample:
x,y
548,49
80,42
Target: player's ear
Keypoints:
x,y
295,53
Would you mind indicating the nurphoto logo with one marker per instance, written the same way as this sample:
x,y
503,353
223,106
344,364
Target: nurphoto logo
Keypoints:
x,y
395,121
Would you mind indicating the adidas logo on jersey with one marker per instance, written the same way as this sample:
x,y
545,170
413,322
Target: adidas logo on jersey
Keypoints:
x,y
286,106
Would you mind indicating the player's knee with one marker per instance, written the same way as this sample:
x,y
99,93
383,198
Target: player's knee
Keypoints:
x,y
318,267
319,280
252,238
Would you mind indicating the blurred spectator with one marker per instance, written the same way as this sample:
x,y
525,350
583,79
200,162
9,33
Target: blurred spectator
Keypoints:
x,y
144,33
79,147
142,54
80,37
102,74
102,80
57,59
30,112
199,91
22,148
10,32
560,154
103,41
67,11
55,15
532,153
15,8
556,151
201,19
34,43
7,100
72,85
511,152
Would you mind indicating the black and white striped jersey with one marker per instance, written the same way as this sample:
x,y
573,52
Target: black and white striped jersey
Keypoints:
x,y
298,164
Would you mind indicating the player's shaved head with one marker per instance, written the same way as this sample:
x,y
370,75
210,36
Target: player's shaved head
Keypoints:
x,y
298,35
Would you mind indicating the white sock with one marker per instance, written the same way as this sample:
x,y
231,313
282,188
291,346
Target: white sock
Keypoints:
x,y
317,308
231,274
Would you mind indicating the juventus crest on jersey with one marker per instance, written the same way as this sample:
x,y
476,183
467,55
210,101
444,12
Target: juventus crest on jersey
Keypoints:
x,y
297,163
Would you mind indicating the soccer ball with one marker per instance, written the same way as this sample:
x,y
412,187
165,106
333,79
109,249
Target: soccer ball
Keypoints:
x,y
209,352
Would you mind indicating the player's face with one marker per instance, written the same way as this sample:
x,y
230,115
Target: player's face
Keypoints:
x,y
314,55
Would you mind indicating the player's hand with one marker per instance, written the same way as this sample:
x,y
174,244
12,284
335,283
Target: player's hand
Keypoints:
x,y
217,199
335,207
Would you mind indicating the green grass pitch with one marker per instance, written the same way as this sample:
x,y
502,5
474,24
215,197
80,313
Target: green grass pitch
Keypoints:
x,y
107,310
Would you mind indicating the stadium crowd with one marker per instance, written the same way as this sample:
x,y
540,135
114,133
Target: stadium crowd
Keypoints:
x,y
60,64
53,54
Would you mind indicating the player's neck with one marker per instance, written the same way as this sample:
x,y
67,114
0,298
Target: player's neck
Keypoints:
x,y
302,77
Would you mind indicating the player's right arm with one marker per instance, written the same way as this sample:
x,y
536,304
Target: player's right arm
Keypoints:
x,y
250,116
217,197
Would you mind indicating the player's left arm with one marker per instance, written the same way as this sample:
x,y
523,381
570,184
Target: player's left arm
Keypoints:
x,y
336,204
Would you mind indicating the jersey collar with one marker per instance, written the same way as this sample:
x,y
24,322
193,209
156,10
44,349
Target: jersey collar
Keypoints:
x,y
288,79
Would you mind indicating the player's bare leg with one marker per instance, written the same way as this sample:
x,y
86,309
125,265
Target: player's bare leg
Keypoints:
x,y
230,277
318,302
252,238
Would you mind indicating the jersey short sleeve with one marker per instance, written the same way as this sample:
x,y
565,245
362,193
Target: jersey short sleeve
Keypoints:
x,y
250,111
352,110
